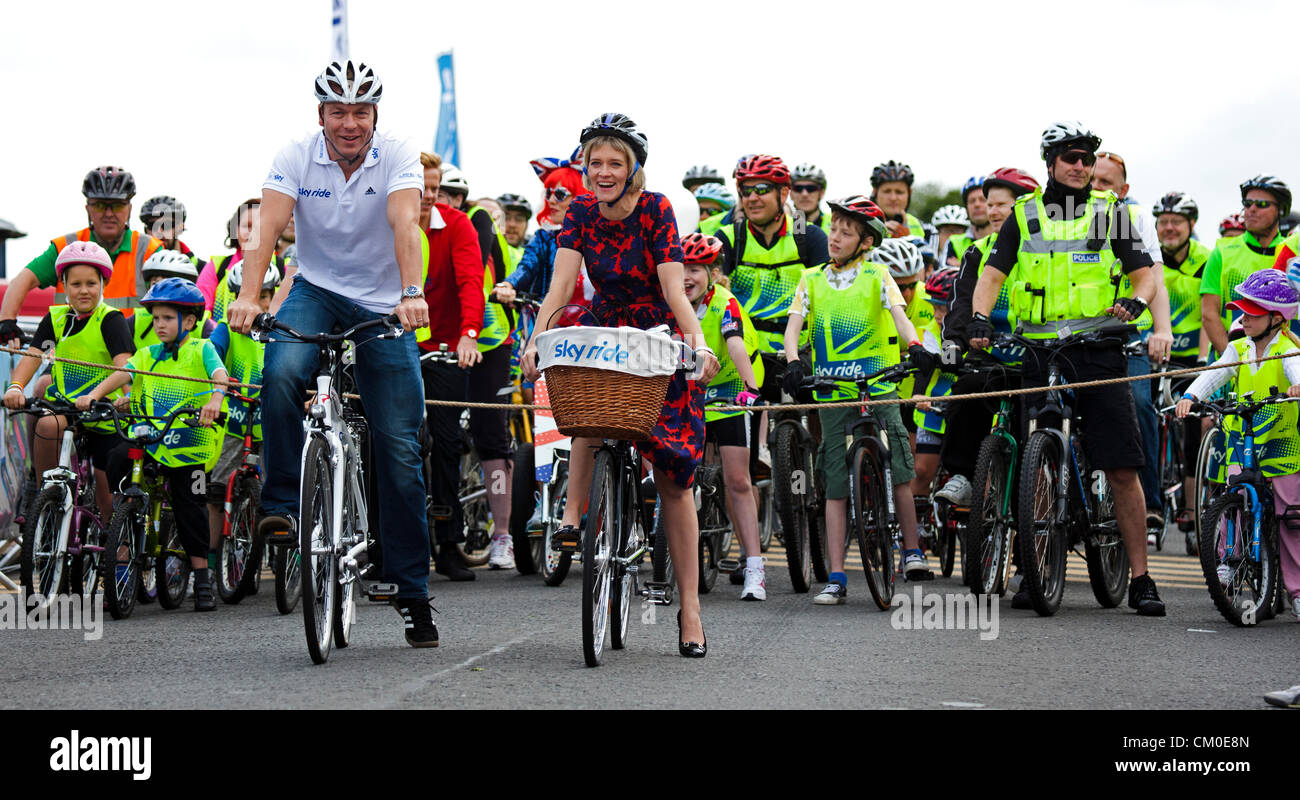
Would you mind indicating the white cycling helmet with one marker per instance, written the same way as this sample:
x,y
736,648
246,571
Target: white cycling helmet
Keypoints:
x,y
901,257
349,83
269,281
170,264
454,180
950,215
1066,132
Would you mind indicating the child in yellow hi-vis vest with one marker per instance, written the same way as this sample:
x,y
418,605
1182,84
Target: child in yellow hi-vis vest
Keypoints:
x,y
857,317
1267,301
185,455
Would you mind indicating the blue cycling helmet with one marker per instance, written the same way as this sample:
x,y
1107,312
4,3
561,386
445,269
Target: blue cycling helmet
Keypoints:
x,y
972,183
177,292
717,193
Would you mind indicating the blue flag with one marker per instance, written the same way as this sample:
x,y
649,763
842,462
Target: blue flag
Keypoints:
x,y
446,145
339,27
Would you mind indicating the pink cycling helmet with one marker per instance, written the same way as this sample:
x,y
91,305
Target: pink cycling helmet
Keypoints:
x,y
85,253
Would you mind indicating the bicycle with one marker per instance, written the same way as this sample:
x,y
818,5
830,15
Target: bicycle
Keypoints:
x,y
798,499
1057,513
334,531
991,535
142,533
1169,457
551,473
1209,462
240,549
62,533
1239,531
872,516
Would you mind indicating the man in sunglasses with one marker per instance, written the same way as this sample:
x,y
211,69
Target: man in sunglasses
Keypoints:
x,y
1062,263
1266,200
807,188
108,192
765,252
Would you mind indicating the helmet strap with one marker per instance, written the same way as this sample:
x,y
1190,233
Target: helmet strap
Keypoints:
x,y
626,184
1272,329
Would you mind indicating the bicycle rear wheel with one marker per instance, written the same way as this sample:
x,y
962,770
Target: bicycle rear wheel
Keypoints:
x,y
1041,534
597,556
1104,551
316,545
83,579
1204,490
792,488
555,565
172,565
523,497
629,537
240,553
41,559
1245,592
120,564
287,564
714,526
869,512
988,534
345,606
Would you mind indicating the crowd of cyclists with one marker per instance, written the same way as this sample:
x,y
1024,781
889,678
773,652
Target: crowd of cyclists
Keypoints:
x,y
779,285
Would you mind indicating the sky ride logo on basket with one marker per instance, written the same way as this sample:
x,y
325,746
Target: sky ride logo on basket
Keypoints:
x,y
629,350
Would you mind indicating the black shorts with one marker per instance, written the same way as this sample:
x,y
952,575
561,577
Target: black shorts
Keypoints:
x,y
1111,438
728,432
101,447
487,427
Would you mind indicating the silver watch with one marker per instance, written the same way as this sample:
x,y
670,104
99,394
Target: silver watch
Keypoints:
x,y
412,292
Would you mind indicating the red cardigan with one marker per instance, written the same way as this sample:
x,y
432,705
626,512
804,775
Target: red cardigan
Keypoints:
x,y
454,287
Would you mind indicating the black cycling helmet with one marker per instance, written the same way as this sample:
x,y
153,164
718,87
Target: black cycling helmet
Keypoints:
x,y
1176,203
1274,186
620,126
510,200
889,171
108,183
163,205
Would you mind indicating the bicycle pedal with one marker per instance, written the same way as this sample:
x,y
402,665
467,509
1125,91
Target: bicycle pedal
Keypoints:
x,y
729,565
381,592
566,544
660,594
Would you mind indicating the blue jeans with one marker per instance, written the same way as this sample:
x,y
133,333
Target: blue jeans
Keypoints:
x,y
388,377
1149,429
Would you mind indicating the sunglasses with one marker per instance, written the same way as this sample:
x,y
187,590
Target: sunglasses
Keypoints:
x,y
559,194
1258,203
903,287
1075,156
1111,156
805,188
759,189
116,206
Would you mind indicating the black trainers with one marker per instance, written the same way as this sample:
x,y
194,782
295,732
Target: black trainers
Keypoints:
x,y
452,564
280,530
1020,600
420,630
204,600
1142,596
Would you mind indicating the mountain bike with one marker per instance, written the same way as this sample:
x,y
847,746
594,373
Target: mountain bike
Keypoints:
x,y
334,529
239,548
798,498
990,537
1062,502
1206,485
1239,530
62,533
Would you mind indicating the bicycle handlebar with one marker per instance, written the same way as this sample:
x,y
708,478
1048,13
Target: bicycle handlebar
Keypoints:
x,y
265,323
1240,408
890,374
133,435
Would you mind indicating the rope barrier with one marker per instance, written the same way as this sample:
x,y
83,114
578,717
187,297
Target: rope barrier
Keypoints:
x,y
1173,373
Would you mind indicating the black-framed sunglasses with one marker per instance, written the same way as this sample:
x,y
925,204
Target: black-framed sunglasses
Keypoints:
x,y
1258,203
805,188
903,287
1075,156
759,189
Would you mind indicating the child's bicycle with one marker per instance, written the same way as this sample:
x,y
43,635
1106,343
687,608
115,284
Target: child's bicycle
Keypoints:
x,y
240,549
142,533
1239,530
62,535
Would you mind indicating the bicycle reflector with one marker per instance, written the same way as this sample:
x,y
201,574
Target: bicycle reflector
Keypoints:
x,y
135,453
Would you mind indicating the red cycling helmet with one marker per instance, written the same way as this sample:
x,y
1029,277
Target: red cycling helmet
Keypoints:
x,y
1232,222
700,249
763,167
1017,180
863,210
941,284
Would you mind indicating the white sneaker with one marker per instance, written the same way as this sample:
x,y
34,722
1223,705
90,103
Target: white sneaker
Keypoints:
x,y
956,491
915,565
1295,608
1225,575
755,584
832,595
1151,540
502,554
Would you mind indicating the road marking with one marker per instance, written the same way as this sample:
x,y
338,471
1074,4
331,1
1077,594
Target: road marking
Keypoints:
x,y
427,681
1200,630
961,704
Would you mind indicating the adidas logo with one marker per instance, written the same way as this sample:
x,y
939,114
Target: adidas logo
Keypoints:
x,y
370,190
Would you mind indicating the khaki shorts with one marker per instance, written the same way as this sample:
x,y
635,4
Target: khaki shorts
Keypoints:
x,y
232,456
831,454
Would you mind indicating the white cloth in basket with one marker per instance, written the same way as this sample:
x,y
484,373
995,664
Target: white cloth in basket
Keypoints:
x,y
628,350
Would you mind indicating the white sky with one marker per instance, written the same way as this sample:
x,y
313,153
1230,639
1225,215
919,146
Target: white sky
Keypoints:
x,y
195,98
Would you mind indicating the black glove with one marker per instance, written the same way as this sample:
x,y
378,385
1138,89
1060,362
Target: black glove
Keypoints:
x,y
9,331
792,378
922,359
979,327
1132,305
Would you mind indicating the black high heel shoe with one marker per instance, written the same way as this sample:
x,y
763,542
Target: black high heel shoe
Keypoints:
x,y
690,649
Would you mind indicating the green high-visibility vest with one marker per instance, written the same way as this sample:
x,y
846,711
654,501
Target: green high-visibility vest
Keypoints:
x,y
151,395
764,281
244,361
1237,259
498,323
74,380
1184,286
851,330
1277,442
727,384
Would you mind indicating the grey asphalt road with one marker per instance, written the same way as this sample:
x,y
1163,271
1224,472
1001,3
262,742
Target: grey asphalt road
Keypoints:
x,y
510,642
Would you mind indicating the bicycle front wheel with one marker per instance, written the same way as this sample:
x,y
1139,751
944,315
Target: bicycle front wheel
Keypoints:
x,y
240,554
1204,488
84,576
1104,551
869,509
988,534
1041,533
316,546
41,560
792,486
1242,587
628,539
555,565
287,564
120,563
172,565
597,556
523,502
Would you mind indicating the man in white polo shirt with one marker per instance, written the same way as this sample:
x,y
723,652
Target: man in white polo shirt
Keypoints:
x,y
354,196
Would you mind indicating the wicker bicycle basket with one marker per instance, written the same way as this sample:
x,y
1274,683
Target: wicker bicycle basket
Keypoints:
x,y
605,404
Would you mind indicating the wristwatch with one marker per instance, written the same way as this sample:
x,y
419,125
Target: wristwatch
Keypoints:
x,y
472,333
412,292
